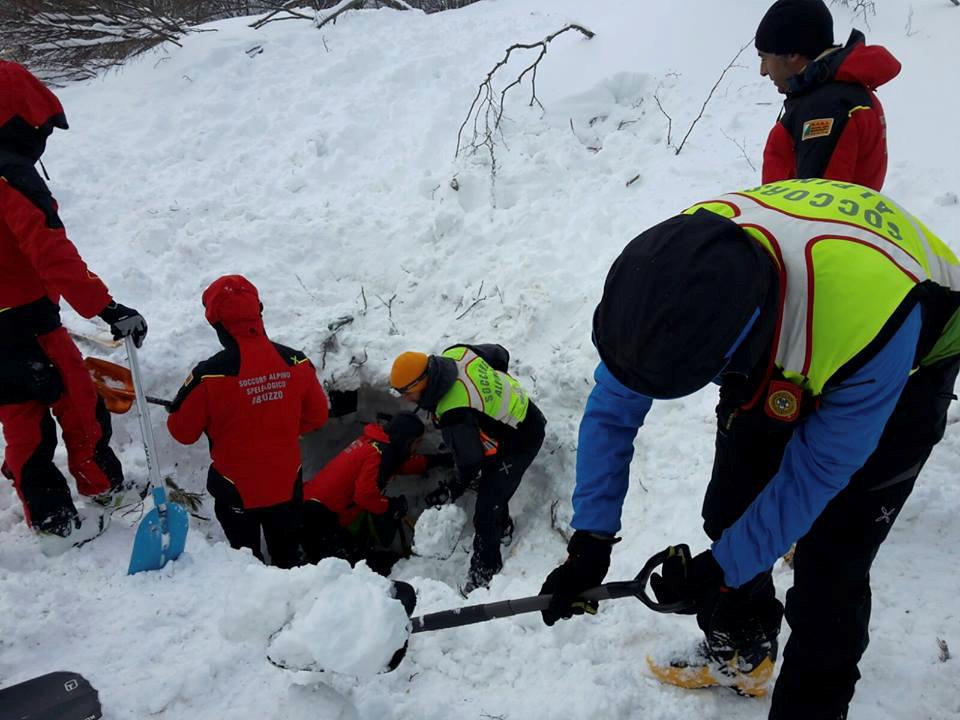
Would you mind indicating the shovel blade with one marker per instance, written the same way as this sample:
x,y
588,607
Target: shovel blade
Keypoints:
x,y
161,536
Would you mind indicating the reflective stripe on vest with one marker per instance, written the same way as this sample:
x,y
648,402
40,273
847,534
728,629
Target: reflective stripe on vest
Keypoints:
x,y
480,387
848,256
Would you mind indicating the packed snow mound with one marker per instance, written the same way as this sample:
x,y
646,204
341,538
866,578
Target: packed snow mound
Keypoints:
x,y
343,621
439,530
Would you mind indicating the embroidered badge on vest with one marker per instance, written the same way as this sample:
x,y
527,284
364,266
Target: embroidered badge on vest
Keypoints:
x,y
783,401
817,128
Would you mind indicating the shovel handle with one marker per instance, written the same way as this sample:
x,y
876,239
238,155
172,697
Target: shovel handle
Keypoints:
x,y
146,428
506,608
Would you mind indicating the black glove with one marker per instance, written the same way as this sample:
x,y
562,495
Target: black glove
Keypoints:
x,y
124,322
397,507
439,460
696,579
587,563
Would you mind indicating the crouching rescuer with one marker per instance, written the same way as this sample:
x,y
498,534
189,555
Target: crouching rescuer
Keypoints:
x,y
828,317
254,399
492,428
347,513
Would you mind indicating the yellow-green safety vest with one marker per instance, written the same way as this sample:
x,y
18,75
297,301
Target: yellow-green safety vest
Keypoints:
x,y
848,256
480,387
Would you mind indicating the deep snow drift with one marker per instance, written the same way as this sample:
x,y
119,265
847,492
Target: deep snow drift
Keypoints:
x,y
323,169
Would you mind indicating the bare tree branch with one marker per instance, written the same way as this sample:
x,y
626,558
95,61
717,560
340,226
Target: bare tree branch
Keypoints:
x,y
743,150
485,102
710,95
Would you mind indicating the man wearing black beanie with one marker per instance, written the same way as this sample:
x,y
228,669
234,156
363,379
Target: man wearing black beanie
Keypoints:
x,y
832,125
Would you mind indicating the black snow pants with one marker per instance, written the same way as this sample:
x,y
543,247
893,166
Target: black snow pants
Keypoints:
x,y
828,607
281,523
500,479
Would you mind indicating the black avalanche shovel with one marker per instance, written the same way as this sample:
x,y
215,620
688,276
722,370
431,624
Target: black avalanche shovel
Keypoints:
x,y
54,696
473,614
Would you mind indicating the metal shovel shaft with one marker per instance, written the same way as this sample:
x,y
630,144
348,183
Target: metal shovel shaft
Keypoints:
x,y
146,427
505,608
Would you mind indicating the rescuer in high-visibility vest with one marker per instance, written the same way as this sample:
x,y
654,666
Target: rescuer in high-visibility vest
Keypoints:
x,y
828,316
493,429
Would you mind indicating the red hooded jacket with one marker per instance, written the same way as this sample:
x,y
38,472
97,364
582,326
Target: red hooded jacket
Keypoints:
x,y
37,260
833,125
253,400
354,480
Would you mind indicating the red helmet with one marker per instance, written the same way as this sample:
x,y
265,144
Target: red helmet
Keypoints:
x,y
233,301
28,111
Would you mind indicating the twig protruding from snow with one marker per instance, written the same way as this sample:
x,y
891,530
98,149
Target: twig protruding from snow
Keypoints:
x,y
710,94
743,150
486,104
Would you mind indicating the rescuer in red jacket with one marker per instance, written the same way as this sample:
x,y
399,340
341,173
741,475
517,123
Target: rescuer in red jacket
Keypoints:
x,y
832,125
254,400
346,511
41,370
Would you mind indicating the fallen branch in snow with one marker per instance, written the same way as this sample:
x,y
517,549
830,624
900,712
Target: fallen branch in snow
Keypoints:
x,y
486,105
329,343
710,95
485,102
743,150
477,299
669,119
388,304
864,7
283,8
337,9
565,535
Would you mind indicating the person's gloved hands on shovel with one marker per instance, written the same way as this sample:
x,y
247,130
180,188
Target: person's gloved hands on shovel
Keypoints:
x,y
586,566
124,321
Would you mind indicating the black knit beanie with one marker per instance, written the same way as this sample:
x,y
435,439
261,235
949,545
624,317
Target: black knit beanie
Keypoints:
x,y
676,301
796,26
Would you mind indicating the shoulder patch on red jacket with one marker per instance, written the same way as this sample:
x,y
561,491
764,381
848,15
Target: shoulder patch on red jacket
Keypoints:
x,y
821,127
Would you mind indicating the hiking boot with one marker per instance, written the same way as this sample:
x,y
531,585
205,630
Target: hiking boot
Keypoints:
x,y
702,668
476,578
123,494
68,529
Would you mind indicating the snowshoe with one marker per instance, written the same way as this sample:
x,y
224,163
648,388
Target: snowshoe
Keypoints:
x,y
703,669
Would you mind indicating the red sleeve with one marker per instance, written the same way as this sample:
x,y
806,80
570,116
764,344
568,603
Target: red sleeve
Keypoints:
x,y
314,409
187,423
414,465
779,158
43,240
366,490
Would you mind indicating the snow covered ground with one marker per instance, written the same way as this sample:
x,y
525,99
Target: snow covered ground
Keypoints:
x,y
323,169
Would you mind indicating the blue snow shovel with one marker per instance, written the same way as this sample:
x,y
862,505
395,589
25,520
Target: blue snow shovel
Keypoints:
x,y
162,533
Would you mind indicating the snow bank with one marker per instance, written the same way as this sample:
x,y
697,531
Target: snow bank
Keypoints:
x,y
345,622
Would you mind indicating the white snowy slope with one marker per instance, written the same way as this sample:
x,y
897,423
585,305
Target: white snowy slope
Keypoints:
x,y
322,169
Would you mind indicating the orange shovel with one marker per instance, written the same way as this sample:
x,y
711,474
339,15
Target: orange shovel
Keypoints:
x,y
114,384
